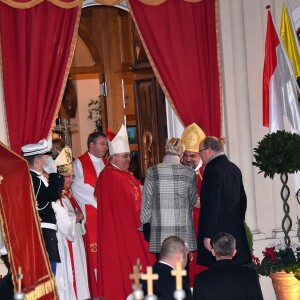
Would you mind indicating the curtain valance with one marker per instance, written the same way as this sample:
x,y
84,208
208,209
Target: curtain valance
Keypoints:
x,y
25,4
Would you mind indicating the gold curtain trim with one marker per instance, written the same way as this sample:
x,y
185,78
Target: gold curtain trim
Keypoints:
x,y
68,67
156,73
3,95
219,64
42,290
109,2
67,5
158,2
153,2
32,3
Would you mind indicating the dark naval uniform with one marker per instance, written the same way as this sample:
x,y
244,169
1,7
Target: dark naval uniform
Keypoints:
x,y
45,196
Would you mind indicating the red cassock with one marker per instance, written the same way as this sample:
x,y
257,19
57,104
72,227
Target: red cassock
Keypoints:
x,y
118,196
194,268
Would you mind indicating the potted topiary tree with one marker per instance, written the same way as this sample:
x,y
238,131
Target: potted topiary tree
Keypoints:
x,y
279,153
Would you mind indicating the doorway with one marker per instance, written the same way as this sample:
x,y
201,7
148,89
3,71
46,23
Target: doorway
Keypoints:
x,y
110,66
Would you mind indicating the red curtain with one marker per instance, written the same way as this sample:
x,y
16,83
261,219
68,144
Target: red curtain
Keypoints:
x,y
182,42
37,44
37,41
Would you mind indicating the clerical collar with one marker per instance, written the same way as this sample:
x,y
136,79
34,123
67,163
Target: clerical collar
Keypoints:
x,y
171,159
93,157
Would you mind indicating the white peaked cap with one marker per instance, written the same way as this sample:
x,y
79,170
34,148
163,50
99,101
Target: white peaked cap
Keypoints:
x,y
36,149
120,143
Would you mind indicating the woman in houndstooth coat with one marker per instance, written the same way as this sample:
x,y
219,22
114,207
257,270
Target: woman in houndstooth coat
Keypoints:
x,y
169,195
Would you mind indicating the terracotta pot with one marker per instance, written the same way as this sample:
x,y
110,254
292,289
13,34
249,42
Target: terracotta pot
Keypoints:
x,y
286,286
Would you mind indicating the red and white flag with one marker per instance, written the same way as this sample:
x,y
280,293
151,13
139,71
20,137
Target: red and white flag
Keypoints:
x,y
279,84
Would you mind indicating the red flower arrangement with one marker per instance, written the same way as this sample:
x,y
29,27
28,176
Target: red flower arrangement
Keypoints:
x,y
278,258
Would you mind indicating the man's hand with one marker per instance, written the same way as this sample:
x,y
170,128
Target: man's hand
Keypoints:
x,y
79,216
207,245
197,204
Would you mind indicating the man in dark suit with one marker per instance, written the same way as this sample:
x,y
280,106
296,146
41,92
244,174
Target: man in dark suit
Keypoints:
x,y
173,249
223,202
225,279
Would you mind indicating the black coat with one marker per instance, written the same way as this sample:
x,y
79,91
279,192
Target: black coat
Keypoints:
x,y
165,286
227,281
44,197
223,208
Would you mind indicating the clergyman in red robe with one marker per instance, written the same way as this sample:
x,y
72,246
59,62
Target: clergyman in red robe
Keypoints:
x,y
118,195
192,136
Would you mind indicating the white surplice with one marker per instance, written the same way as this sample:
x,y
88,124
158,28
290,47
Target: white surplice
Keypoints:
x,y
68,229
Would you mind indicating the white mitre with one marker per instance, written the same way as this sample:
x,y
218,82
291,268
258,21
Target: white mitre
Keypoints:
x,y
119,144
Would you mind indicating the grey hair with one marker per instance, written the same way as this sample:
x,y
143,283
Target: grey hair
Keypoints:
x,y
224,244
213,143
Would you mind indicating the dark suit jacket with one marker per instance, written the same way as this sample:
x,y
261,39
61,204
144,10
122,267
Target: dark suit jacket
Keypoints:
x,y
223,208
165,286
227,281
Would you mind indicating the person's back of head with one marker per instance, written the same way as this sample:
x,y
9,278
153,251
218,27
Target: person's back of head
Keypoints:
x,y
174,249
224,246
175,146
213,143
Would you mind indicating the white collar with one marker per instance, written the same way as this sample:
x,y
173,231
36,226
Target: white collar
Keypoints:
x,y
171,159
162,262
118,167
36,172
199,165
94,158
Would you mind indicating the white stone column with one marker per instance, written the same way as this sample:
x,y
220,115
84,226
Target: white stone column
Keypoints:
x,y
236,98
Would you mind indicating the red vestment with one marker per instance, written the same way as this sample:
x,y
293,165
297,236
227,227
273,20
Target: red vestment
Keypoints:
x,y
118,196
194,268
90,177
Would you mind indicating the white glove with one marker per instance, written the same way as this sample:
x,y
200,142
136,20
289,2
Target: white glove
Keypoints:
x,y
50,166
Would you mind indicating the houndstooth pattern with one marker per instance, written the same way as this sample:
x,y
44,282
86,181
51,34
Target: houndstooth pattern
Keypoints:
x,y
169,194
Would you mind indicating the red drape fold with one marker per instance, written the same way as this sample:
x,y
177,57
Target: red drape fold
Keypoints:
x,y
181,39
21,228
36,49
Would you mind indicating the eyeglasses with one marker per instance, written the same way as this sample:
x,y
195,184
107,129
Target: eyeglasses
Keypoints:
x,y
125,156
69,176
203,149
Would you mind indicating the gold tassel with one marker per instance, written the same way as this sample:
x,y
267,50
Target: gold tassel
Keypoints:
x,y
41,290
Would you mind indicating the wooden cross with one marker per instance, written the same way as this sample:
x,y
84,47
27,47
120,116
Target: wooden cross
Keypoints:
x,y
149,276
19,279
136,277
178,273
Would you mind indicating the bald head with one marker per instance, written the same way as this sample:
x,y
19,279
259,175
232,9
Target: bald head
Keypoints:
x,y
174,249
